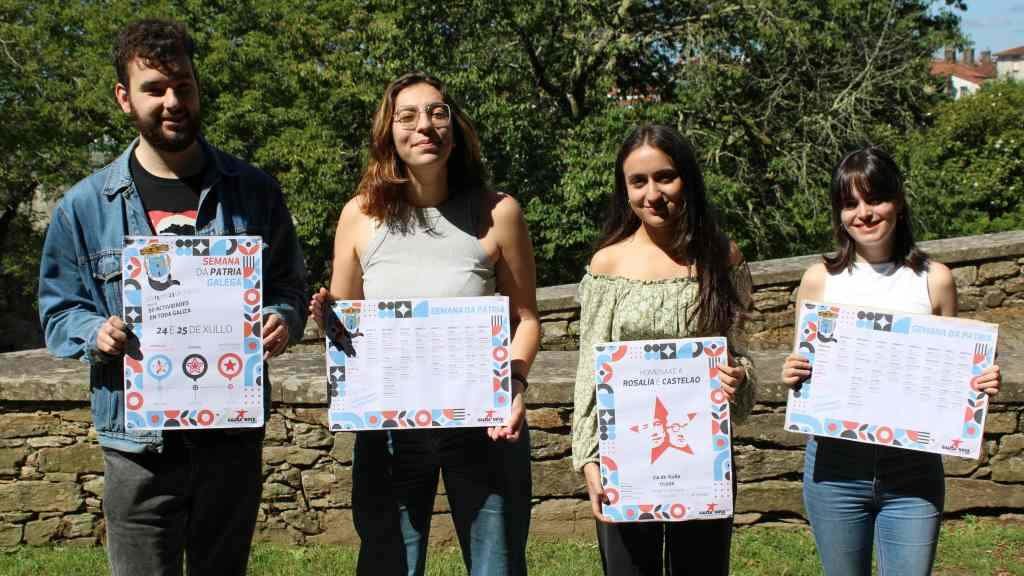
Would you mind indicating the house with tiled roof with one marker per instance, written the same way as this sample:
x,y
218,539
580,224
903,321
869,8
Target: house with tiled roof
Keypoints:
x,y
1010,63
964,76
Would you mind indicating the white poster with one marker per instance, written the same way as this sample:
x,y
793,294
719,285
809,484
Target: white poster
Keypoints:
x,y
892,378
419,363
663,425
193,305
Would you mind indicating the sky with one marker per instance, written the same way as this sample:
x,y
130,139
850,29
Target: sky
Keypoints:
x,y
995,25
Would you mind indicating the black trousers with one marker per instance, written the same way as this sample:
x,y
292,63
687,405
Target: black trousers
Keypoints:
x,y
699,547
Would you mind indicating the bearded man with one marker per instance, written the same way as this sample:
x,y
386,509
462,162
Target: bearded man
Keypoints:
x,y
180,494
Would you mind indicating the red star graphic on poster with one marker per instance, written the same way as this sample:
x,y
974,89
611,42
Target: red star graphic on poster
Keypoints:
x,y
665,434
229,365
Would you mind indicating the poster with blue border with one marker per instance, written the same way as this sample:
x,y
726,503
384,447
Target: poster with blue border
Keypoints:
x,y
418,363
194,308
663,430
892,378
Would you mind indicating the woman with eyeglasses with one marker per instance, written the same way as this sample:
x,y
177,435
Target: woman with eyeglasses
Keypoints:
x,y
425,223
663,269
859,496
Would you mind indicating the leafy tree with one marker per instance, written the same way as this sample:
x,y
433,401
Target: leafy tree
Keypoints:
x,y
56,124
284,85
965,172
772,92
288,87
778,91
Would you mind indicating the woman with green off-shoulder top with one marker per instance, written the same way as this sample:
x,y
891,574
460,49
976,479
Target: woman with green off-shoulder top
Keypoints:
x,y
663,269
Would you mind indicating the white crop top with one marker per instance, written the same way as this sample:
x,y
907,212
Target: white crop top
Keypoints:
x,y
880,286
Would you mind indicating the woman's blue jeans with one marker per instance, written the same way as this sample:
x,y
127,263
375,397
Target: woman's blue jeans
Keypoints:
x,y
488,486
862,495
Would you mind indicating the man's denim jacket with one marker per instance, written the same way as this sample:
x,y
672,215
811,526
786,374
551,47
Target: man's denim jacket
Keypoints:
x,y
80,272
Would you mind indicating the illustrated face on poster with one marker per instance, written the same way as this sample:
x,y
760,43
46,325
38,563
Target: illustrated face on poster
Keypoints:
x,y
671,440
664,430
157,259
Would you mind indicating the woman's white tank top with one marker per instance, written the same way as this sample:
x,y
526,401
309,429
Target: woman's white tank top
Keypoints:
x,y
884,286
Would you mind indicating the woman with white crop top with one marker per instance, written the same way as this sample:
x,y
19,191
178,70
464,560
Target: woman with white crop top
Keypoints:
x,y
861,495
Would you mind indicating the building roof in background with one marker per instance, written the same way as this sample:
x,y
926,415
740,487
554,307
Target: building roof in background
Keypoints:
x,y
977,74
1018,51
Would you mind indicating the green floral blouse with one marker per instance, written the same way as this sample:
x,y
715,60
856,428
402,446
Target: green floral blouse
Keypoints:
x,y
615,309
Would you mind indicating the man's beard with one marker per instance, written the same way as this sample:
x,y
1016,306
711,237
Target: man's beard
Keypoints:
x,y
153,132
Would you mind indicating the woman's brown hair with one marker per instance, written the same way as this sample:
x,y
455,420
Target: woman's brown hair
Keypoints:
x,y
876,177
698,239
383,182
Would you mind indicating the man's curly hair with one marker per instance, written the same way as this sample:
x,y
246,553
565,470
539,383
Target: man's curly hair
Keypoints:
x,y
161,44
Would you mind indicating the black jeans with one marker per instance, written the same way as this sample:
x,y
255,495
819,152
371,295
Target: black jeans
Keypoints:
x,y
402,472
699,547
199,497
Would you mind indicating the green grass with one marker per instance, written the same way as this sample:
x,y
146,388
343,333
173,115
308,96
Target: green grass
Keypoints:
x,y
977,546
968,547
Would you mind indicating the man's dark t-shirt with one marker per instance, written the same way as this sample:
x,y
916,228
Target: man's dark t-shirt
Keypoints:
x,y
171,204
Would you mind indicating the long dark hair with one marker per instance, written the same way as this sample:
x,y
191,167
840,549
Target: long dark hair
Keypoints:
x,y
385,177
876,177
697,238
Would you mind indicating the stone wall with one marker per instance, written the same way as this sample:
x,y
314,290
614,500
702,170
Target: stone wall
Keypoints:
x,y
51,479
50,476
51,468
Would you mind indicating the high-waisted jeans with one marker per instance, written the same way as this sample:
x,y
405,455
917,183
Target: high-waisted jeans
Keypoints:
x,y
488,486
859,495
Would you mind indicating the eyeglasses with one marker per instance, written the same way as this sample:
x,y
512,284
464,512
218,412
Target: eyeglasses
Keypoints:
x,y
439,113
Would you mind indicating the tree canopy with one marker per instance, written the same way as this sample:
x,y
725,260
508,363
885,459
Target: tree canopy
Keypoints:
x,y
771,92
